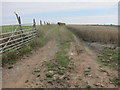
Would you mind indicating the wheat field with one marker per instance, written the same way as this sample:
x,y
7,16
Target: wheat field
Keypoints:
x,y
103,34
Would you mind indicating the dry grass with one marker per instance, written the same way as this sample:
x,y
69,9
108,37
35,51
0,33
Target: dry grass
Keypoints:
x,y
103,34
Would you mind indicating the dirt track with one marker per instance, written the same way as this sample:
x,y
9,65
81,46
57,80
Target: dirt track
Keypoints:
x,y
22,71
84,61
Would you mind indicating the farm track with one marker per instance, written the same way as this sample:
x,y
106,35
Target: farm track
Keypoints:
x,y
87,71
22,71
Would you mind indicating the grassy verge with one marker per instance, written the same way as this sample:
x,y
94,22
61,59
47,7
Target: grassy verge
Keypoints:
x,y
115,81
110,58
60,64
9,58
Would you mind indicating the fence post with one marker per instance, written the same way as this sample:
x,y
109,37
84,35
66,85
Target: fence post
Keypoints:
x,y
19,22
34,25
40,22
44,23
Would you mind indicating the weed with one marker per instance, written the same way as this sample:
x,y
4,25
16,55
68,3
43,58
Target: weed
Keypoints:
x,y
88,86
51,65
38,75
97,76
80,79
89,67
101,70
26,81
61,72
66,77
10,67
37,71
109,58
95,84
116,81
49,75
87,70
51,69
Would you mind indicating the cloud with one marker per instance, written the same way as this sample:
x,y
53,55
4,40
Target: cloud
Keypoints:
x,y
29,9
26,8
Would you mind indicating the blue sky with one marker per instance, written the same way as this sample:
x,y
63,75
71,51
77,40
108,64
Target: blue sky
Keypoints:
x,y
69,12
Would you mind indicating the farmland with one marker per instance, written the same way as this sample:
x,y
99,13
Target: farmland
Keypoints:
x,y
60,56
103,34
11,28
102,38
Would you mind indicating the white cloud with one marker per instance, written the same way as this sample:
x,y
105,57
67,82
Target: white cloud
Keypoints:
x,y
28,8
31,8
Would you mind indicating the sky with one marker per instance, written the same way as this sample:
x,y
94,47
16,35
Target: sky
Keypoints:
x,y
69,11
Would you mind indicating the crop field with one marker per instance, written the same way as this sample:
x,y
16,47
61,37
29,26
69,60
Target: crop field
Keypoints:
x,y
103,34
11,28
103,38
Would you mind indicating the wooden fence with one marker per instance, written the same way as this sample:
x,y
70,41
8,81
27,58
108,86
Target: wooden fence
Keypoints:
x,y
13,40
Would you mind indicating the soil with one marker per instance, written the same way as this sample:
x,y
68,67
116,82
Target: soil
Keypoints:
x,y
86,70
22,70
85,60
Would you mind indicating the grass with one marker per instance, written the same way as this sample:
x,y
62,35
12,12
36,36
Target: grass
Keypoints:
x,y
88,86
60,63
49,75
116,81
61,72
80,79
101,70
11,28
109,58
37,71
101,34
62,59
10,67
66,77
